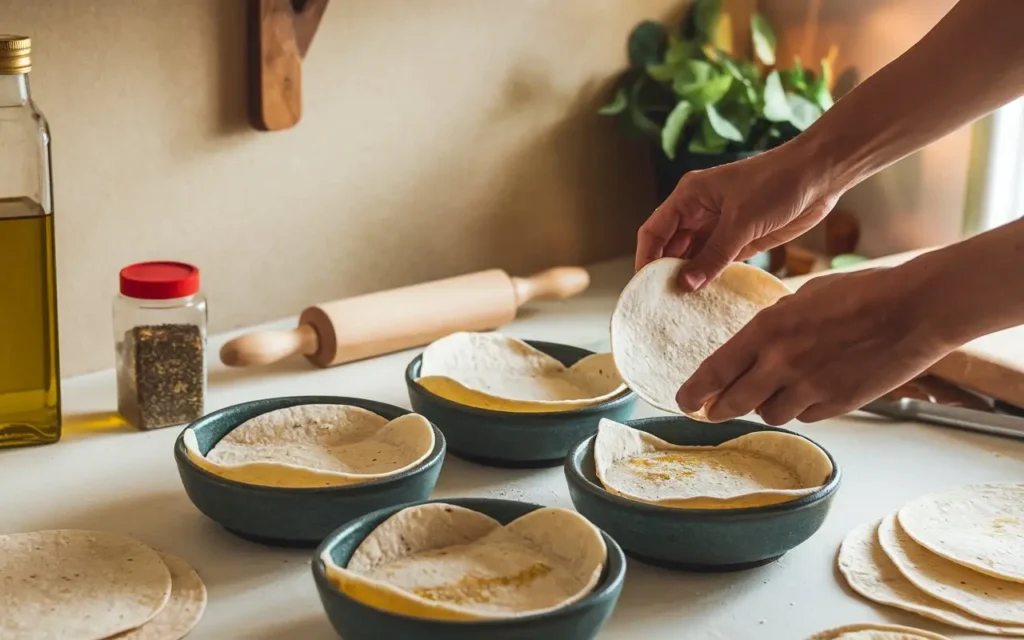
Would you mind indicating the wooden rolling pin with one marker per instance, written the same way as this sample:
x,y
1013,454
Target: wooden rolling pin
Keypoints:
x,y
992,365
386,321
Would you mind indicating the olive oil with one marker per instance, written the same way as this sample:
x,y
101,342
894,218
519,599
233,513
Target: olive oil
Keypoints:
x,y
29,372
29,369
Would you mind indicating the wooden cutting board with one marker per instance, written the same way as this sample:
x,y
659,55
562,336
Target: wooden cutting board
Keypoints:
x,y
992,365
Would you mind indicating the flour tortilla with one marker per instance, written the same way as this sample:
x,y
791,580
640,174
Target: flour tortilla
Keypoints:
x,y
500,373
660,334
976,593
319,445
69,583
978,526
876,632
871,573
756,469
446,562
183,610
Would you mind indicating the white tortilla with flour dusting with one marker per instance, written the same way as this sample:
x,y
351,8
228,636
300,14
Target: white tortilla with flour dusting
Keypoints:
x,y
446,562
876,632
183,610
661,334
756,469
321,445
500,373
976,593
978,526
870,573
70,583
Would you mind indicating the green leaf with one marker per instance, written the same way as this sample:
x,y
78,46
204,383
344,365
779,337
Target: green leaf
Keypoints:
x,y
819,92
742,83
661,72
776,105
721,126
674,126
637,116
617,105
647,43
795,77
804,112
763,38
708,92
679,51
708,141
707,13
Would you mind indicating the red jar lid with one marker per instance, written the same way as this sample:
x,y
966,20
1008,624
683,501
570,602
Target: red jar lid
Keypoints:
x,y
159,280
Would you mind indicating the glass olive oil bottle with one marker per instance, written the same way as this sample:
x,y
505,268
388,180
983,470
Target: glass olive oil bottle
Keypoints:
x,y
29,371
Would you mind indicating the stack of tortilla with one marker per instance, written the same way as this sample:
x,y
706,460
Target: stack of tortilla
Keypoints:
x,y
756,469
661,334
876,632
956,557
447,562
317,445
500,373
90,585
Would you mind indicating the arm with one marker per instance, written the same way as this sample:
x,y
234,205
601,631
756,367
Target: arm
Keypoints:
x,y
969,64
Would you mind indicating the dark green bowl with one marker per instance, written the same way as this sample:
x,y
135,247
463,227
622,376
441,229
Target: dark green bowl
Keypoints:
x,y
508,439
696,539
294,517
354,620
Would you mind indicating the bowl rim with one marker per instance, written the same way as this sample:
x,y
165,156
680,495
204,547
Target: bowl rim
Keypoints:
x,y
412,370
575,476
607,586
435,457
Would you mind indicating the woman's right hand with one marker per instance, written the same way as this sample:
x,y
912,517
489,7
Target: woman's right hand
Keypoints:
x,y
735,211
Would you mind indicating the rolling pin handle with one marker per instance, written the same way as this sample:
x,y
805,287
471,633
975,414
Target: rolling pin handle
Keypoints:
x,y
266,347
557,283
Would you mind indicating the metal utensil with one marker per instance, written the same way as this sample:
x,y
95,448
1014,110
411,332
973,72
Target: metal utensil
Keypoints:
x,y
957,417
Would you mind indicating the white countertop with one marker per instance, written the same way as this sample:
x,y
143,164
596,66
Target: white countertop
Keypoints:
x,y
105,476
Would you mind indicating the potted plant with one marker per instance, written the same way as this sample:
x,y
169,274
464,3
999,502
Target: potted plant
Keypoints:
x,y
700,106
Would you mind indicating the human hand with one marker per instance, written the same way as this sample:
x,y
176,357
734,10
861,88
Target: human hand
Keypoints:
x,y
735,211
835,345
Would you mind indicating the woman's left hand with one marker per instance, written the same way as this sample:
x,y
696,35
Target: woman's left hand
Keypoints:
x,y
838,343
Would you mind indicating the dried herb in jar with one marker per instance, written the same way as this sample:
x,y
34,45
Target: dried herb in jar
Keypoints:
x,y
164,381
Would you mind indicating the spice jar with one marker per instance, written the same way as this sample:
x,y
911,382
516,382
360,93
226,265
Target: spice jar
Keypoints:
x,y
160,338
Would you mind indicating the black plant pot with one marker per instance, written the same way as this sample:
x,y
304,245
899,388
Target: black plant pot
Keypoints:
x,y
668,173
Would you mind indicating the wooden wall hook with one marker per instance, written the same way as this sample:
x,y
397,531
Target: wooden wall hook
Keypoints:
x,y
280,32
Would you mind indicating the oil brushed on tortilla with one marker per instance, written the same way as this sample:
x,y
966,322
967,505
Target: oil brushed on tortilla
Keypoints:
x,y
69,583
660,334
876,632
497,372
316,445
870,573
976,593
183,610
446,562
979,526
756,469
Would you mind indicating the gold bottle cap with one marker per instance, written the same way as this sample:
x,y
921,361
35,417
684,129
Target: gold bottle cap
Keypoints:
x,y
15,54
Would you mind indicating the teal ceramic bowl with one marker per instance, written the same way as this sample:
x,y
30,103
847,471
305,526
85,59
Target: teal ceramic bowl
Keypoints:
x,y
294,517
696,539
354,620
520,440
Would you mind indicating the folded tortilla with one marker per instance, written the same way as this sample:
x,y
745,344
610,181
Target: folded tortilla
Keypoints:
x,y
446,562
756,469
500,373
311,446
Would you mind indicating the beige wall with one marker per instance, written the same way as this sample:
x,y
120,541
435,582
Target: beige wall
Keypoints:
x,y
919,201
439,137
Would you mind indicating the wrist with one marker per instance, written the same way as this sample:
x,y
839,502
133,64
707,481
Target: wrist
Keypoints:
x,y
971,288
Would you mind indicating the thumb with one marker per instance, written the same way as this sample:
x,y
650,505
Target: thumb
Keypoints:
x,y
721,248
